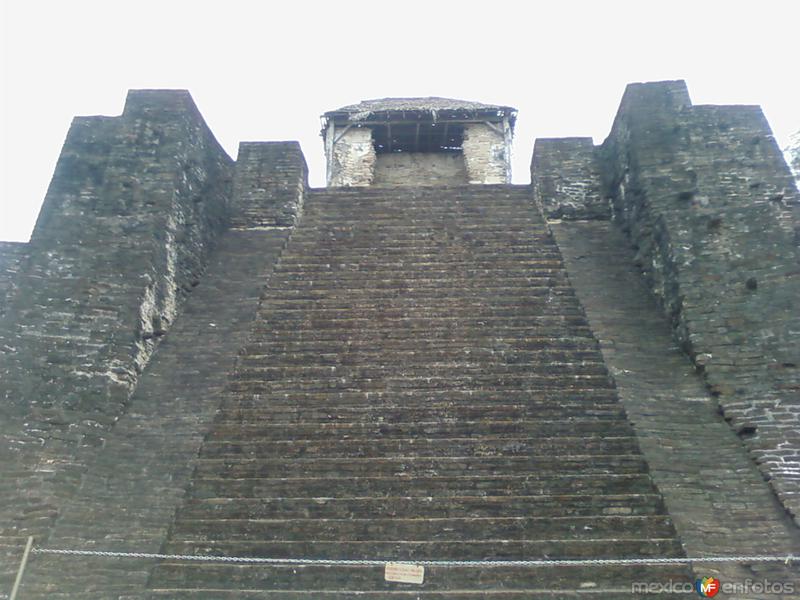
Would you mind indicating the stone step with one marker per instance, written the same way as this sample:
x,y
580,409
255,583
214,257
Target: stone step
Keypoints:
x,y
392,412
539,248
423,331
444,233
329,395
423,214
428,294
422,385
353,247
520,278
350,272
427,221
317,579
420,300
473,205
286,365
497,344
447,226
401,203
422,381
289,320
264,353
456,235
215,593
360,399
430,550
417,208
487,256
343,275
441,529
410,507
421,447
542,307
529,297
505,374
392,342
407,206
420,294
454,244
413,206
399,200
495,190
467,201
420,211
351,261
409,467
425,293
397,342
507,484
420,214
353,251
573,427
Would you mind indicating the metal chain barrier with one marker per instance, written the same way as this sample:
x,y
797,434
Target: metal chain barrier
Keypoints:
x,y
31,549
426,563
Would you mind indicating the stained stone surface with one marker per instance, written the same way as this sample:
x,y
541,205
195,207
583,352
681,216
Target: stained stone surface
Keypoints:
x,y
131,214
420,168
720,502
11,256
354,158
269,185
485,154
712,209
565,175
792,154
128,497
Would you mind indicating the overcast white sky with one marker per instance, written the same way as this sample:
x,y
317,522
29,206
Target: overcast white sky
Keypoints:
x,y
261,70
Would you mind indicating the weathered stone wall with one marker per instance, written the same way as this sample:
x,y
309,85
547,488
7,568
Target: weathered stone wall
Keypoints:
x,y
485,154
565,175
11,256
134,206
354,158
128,496
710,205
792,154
269,185
420,168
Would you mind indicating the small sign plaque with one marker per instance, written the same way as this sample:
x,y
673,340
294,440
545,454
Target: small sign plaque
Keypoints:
x,y
404,573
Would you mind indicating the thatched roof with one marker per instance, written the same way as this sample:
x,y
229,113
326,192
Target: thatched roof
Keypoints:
x,y
444,108
406,104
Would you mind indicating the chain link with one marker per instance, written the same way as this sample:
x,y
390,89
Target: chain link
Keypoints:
x,y
427,563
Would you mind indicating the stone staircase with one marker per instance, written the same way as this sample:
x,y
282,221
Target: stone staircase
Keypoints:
x,y
420,383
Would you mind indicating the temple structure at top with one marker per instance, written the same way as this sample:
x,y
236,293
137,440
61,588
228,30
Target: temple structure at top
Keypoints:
x,y
418,141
